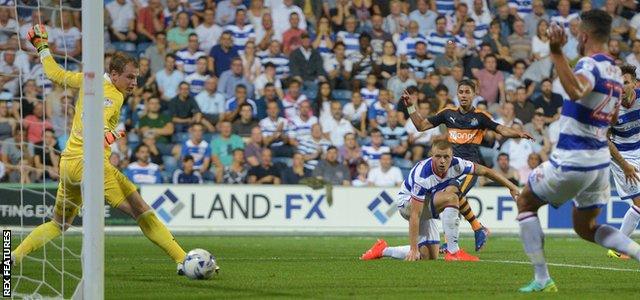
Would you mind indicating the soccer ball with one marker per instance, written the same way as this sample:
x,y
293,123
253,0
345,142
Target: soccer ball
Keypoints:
x,y
200,264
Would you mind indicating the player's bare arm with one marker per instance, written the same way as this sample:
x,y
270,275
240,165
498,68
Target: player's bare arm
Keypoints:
x,y
509,132
414,223
411,102
493,175
576,86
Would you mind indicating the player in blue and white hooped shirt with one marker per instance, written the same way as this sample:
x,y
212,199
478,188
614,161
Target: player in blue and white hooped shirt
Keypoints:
x,y
624,145
578,168
431,192
186,58
438,38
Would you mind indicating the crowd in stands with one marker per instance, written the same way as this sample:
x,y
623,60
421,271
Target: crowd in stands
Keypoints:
x,y
272,91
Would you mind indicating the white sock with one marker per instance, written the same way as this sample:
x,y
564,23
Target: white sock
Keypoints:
x,y
611,238
399,252
450,223
532,239
631,220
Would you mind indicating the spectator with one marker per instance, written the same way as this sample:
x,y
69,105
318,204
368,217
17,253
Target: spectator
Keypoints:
x,y
274,55
266,77
634,57
184,110
226,10
519,8
270,95
297,171
335,66
155,156
291,38
178,36
198,148
253,148
531,20
371,153
395,136
7,123
243,125
210,101
157,52
277,132
438,38
468,43
17,157
10,71
142,171
495,39
540,42
361,63
223,53
370,91
508,115
158,125
36,123
620,25
168,79
306,65
456,20
388,62
187,175
236,172
186,59
397,21
420,141
421,63
250,62
265,33
170,12
266,172
378,35
505,20
208,31
313,147
124,152
538,130
349,36
385,175
331,171
519,149
47,158
398,83
524,109
503,168
223,145
197,79
550,102
292,99
362,175
336,127
516,80
571,48
302,123
482,16
150,21
66,40
519,42
122,30
233,77
491,81
379,111
283,12
533,161
451,81
356,111
240,30
232,105
324,38
425,17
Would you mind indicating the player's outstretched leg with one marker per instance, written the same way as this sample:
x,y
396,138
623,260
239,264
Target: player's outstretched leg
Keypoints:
x,y
152,228
36,239
532,239
481,233
629,224
446,202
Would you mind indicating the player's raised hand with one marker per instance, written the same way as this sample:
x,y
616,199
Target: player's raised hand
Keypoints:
x,y
38,37
408,99
413,255
111,136
630,173
557,37
526,135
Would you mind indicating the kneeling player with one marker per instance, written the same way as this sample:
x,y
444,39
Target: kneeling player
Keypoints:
x,y
432,190
624,148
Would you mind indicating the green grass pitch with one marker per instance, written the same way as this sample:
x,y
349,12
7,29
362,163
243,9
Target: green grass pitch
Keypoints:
x,y
328,267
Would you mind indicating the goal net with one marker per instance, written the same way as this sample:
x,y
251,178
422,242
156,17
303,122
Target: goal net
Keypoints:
x,y
35,123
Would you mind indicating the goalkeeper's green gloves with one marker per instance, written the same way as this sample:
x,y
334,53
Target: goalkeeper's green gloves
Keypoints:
x,y
111,136
38,36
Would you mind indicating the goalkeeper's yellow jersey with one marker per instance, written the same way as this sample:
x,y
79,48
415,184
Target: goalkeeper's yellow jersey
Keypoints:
x,y
113,100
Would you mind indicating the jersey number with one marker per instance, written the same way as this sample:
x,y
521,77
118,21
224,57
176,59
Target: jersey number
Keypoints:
x,y
599,113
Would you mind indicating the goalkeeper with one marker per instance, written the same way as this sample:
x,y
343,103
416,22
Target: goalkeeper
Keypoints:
x,y
118,190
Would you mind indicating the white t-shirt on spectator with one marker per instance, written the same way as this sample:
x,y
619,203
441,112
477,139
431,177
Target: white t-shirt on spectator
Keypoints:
x,y
392,177
208,36
519,151
261,81
354,114
7,30
120,15
66,38
337,130
632,60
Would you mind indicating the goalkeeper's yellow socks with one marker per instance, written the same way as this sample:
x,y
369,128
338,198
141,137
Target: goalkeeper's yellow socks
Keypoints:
x,y
37,238
155,231
468,214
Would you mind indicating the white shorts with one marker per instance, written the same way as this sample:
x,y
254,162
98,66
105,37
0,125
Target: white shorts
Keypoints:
x,y
429,233
556,185
625,190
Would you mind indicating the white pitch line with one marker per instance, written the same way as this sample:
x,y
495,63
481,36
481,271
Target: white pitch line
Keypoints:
x,y
562,265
